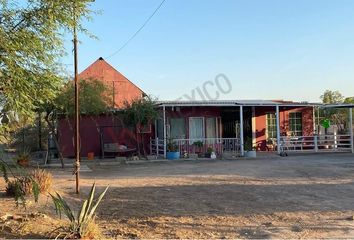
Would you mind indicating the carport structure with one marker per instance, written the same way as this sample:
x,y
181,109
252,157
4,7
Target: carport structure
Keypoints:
x,y
237,126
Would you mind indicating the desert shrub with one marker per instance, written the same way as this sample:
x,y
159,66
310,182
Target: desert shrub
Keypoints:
x,y
14,188
24,185
43,178
83,225
19,185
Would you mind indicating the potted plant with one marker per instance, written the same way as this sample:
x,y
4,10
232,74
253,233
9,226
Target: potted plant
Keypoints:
x,y
23,158
210,153
198,147
250,150
172,151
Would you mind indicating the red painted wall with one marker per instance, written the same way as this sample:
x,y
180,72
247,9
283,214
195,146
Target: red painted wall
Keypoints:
x,y
260,115
187,112
112,128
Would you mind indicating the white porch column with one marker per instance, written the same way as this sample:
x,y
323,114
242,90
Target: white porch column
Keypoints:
x,y
164,131
242,150
278,128
254,137
351,129
314,120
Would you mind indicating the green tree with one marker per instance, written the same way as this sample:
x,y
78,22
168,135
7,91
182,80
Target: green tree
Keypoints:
x,y
31,45
332,97
94,99
139,114
349,100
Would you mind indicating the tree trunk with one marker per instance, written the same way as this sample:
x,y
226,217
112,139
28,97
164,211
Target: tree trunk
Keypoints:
x,y
143,144
55,137
137,142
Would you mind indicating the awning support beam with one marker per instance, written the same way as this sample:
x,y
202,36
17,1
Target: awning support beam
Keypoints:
x,y
164,131
351,128
242,150
278,128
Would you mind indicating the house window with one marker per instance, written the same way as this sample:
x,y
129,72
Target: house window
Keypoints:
x,y
177,128
196,128
271,126
211,129
295,123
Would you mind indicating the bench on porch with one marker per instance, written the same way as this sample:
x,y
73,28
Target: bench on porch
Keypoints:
x,y
116,148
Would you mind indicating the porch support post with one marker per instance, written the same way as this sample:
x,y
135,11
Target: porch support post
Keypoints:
x,y
242,150
164,130
314,120
278,128
351,129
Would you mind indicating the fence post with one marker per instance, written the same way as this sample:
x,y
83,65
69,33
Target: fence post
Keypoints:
x,y
315,140
335,141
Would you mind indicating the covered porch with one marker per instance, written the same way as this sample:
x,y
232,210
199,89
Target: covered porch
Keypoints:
x,y
230,128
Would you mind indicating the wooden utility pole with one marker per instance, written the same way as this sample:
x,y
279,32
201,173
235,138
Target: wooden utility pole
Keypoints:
x,y
77,112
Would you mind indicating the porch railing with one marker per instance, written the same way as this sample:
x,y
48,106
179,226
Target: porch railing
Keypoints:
x,y
157,147
316,143
199,146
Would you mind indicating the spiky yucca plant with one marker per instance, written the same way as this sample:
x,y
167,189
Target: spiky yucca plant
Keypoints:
x,y
80,225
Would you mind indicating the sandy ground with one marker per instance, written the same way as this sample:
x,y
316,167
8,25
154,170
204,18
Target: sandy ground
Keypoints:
x,y
302,196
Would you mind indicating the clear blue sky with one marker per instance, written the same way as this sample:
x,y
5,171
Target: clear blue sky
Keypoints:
x,y
269,49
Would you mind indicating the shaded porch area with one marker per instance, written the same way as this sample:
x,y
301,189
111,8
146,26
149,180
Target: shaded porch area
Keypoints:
x,y
233,128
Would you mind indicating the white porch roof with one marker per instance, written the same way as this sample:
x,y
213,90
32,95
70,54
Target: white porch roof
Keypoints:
x,y
226,103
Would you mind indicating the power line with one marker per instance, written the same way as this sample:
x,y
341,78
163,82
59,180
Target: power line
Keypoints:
x,y
136,33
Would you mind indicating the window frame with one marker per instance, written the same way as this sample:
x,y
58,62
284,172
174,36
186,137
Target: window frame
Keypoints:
x,y
274,126
295,124
203,127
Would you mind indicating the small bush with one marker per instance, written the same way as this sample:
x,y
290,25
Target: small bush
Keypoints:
x,y
43,178
24,185
18,186
13,188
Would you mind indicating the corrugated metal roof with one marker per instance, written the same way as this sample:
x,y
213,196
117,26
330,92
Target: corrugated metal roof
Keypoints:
x,y
235,103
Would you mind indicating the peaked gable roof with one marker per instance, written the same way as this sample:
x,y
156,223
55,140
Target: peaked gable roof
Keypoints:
x,y
122,88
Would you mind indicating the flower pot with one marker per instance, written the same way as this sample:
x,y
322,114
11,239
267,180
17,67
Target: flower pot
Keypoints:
x,y
172,155
23,162
90,155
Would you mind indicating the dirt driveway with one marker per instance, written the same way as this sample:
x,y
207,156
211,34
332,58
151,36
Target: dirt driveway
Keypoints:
x,y
308,196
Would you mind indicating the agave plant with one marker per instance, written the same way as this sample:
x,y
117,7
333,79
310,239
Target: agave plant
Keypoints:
x,y
80,225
